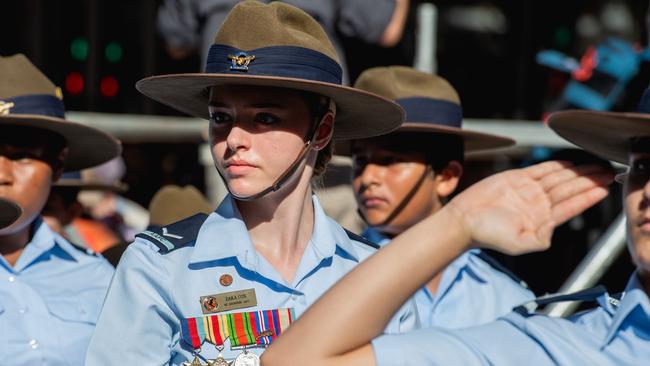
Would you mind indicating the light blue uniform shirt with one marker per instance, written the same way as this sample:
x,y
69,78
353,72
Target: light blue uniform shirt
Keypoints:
x,y
50,301
151,292
471,292
615,333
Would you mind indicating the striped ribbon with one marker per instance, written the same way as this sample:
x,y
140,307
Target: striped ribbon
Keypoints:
x,y
246,328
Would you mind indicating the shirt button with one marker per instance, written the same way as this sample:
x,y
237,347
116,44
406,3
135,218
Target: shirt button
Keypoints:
x,y
22,311
12,278
33,343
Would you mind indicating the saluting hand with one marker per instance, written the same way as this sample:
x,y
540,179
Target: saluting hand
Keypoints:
x,y
516,211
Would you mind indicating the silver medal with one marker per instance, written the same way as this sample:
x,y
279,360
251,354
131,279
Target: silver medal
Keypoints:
x,y
247,359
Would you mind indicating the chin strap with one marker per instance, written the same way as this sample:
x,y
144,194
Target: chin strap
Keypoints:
x,y
284,177
405,201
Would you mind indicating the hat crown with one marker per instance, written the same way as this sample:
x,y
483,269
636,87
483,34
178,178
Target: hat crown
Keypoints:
x,y
20,77
283,25
401,82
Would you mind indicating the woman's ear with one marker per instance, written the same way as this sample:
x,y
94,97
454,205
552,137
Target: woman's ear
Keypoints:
x,y
58,164
448,178
325,131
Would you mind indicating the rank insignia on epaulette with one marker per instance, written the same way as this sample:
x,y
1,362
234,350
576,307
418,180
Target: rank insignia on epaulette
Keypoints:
x,y
5,107
241,61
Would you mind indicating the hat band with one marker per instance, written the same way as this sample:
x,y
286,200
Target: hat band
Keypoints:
x,y
282,61
429,110
43,104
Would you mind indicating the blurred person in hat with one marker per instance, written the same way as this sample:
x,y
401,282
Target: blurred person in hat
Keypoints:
x,y
9,213
173,203
224,286
67,216
108,204
513,212
405,176
52,291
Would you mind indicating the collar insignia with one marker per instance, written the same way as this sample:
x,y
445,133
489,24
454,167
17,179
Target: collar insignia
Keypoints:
x,y
241,61
5,107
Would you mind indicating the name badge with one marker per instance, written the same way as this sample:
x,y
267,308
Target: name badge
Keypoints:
x,y
217,303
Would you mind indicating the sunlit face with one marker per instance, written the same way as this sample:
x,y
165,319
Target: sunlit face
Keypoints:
x,y
382,180
256,133
25,178
637,209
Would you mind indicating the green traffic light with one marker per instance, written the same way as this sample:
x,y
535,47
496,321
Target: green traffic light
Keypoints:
x,y
79,49
113,52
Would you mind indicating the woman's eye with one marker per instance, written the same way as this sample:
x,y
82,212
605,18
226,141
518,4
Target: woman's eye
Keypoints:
x,y
220,118
266,118
641,167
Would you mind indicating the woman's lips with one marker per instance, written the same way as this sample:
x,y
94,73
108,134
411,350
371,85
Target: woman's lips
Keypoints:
x,y
373,201
239,167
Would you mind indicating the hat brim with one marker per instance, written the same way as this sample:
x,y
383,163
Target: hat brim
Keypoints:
x,y
119,187
9,213
473,141
359,114
606,134
87,146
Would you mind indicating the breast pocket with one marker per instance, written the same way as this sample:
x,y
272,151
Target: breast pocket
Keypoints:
x,y
74,310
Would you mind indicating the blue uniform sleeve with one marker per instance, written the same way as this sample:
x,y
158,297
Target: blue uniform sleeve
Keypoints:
x,y
496,343
365,19
136,325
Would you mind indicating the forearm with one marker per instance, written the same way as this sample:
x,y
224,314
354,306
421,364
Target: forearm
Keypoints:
x,y
396,272
395,28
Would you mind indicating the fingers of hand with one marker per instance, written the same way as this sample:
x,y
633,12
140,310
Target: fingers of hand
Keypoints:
x,y
538,171
560,176
578,185
577,203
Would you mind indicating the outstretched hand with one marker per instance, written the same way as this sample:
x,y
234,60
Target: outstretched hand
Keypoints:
x,y
516,211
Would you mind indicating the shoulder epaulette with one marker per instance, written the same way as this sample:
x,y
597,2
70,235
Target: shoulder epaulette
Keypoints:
x,y
177,235
590,294
501,268
361,239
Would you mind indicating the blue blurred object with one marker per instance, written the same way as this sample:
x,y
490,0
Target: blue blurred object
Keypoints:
x,y
598,80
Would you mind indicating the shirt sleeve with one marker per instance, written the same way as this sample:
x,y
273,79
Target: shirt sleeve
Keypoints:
x,y
136,323
365,19
409,319
178,23
496,343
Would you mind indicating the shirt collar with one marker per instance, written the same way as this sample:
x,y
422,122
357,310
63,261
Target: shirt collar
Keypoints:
x,y
44,240
224,234
634,309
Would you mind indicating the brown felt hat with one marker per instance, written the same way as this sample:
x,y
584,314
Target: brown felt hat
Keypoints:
x,y
9,213
606,134
173,203
276,45
431,104
28,98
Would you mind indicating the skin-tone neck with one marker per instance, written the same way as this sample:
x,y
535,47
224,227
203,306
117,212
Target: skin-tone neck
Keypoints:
x,y
280,224
12,245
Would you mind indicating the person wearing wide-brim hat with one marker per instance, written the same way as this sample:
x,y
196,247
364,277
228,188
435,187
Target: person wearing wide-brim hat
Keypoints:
x,y
49,309
403,177
614,332
237,278
9,213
